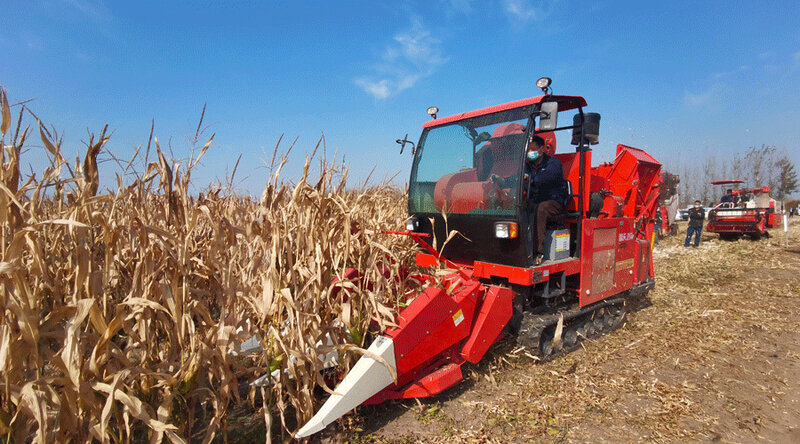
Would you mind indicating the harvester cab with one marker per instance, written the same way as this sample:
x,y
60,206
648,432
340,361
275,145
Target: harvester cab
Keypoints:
x,y
598,253
456,158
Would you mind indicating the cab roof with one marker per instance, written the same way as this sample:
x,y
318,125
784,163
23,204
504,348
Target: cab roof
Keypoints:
x,y
565,103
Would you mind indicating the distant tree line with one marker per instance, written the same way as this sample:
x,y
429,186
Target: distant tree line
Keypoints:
x,y
757,167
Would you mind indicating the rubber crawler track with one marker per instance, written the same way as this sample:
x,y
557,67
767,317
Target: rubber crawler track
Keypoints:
x,y
541,334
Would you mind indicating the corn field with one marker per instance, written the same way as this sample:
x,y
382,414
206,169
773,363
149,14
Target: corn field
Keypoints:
x,y
124,308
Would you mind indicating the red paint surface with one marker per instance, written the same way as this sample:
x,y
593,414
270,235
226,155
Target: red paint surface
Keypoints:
x,y
494,314
564,103
427,326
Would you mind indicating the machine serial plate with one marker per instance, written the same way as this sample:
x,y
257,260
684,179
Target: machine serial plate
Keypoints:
x,y
624,265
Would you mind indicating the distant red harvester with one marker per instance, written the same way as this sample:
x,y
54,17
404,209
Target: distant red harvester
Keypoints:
x,y
742,212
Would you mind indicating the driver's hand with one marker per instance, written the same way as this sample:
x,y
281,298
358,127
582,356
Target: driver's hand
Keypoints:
x,y
494,178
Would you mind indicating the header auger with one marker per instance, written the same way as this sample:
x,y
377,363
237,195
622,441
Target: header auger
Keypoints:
x,y
597,254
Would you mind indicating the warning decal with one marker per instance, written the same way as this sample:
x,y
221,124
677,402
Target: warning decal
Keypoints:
x,y
458,317
562,242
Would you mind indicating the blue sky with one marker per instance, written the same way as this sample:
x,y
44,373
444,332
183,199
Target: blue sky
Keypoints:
x,y
680,79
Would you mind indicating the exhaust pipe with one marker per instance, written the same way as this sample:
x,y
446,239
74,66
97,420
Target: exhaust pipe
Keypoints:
x,y
368,377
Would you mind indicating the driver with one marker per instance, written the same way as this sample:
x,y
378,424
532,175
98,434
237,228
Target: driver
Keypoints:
x,y
543,180
728,197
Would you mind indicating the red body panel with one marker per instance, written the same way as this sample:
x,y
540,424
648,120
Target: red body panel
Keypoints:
x,y
737,228
515,275
494,314
435,382
751,221
432,323
608,258
426,260
752,224
526,276
432,330
632,177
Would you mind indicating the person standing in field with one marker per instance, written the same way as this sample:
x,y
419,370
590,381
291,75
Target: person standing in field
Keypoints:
x,y
696,217
657,227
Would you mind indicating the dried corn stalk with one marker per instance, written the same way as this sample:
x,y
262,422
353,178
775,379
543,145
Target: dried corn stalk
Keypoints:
x,y
122,308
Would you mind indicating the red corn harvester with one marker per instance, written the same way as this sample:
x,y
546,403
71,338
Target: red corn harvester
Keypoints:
x,y
597,254
742,212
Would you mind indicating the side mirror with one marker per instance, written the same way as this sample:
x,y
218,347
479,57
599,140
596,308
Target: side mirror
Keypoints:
x,y
402,142
548,116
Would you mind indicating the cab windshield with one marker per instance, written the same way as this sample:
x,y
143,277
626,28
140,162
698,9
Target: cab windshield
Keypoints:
x,y
471,166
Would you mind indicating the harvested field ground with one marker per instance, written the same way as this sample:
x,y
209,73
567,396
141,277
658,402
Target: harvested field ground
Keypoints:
x,y
712,354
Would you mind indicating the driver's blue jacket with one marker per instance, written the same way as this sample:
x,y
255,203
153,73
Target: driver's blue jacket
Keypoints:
x,y
548,181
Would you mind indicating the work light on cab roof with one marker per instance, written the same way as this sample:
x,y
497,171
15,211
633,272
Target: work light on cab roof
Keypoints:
x,y
432,111
544,84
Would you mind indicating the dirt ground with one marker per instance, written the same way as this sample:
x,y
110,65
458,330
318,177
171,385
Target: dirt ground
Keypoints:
x,y
712,354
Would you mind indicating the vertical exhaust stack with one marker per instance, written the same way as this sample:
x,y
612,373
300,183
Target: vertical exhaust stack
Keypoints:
x,y
368,377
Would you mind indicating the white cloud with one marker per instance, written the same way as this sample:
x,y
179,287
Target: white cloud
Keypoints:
x,y
414,55
521,10
96,10
379,89
766,55
796,60
34,44
733,72
707,97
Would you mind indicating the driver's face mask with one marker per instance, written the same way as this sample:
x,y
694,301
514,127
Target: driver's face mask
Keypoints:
x,y
533,155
